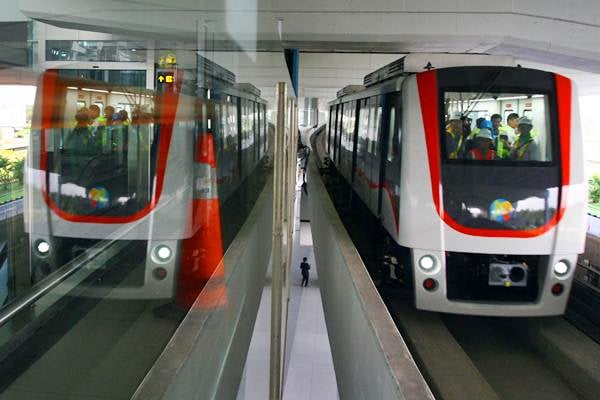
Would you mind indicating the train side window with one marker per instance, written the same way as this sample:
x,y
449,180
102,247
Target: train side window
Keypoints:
x,y
352,124
390,141
343,125
329,128
363,122
349,127
223,125
264,124
376,133
371,129
232,107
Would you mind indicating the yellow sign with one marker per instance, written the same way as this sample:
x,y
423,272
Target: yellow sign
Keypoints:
x,y
166,76
170,59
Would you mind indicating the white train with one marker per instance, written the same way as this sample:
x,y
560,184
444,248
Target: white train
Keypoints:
x,y
159,179
494,235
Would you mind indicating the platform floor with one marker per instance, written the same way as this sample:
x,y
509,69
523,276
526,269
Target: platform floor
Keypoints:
x,y
309,372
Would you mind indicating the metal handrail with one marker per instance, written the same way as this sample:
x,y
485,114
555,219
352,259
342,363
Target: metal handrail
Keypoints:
x,y
14,308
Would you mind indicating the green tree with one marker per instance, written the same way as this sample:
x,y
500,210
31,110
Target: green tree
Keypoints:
x,y
5,173
594,189
4,162
17,167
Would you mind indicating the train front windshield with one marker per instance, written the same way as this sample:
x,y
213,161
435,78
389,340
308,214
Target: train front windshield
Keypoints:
x,y
500,166
100,160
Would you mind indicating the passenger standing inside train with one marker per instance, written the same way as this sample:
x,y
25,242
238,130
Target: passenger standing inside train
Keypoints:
x,y
496,124
501,135
95,118
483,146
453,135
525,148
109,111
79,141
512,122
124,117
304,266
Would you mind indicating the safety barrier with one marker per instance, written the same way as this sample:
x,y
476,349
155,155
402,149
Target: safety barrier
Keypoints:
x,y
370,357
205,358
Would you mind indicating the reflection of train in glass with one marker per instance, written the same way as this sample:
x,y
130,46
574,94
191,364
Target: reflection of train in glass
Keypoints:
x,y
157,175
495,235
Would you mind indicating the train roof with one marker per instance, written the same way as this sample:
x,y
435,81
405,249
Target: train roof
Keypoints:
x,y
389,77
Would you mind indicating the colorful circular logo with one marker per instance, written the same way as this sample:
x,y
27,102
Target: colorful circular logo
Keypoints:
x,y
501,210
99,197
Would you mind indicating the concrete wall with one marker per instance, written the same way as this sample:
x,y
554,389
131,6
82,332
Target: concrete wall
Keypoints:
x,y
206,356
370,357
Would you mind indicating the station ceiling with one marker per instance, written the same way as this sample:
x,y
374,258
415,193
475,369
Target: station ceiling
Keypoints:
x,y
555,34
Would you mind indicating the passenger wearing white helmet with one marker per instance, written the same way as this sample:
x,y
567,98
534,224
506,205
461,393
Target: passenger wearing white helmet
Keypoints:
x,y
525,148
454,135
483,146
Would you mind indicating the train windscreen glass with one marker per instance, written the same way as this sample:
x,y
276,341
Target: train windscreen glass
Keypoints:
x,y
102,164
497,126
499,159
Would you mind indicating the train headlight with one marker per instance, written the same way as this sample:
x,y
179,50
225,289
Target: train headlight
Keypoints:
x,y
42,247
561,268
162,253
427,263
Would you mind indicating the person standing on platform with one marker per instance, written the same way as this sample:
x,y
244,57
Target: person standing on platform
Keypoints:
x,y
304,266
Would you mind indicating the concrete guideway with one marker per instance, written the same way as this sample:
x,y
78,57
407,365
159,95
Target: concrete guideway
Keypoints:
x,y
449,371
370,356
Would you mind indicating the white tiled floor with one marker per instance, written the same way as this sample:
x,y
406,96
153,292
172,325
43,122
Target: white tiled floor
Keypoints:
x,y
309,372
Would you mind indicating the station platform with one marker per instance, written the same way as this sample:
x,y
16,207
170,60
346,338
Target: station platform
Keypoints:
x,y
308,372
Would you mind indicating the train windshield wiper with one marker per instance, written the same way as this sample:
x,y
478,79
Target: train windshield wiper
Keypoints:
x,y
493,79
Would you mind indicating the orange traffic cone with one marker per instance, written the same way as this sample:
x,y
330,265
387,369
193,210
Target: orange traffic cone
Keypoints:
x,y
202,252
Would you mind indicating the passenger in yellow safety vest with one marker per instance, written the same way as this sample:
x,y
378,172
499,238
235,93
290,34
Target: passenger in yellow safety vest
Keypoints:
x,y
124,117
454,135
506,135
525,148
95,118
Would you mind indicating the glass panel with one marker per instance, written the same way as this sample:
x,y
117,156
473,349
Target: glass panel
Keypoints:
x,y
391,143
119,206
376,133
499,173
134,78
91,50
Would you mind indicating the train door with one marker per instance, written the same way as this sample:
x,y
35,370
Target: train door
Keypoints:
x,y
256,149
390,162
330,123
259,132
507,107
